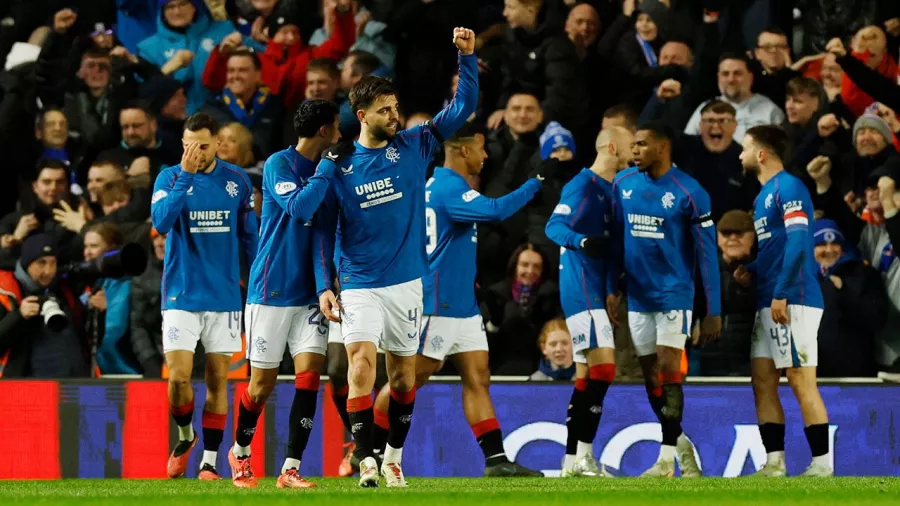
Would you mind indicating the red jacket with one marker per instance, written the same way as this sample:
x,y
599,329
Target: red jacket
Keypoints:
x,y
284,68
856,99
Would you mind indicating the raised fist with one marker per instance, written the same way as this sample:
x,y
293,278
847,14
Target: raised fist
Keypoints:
x,y
63,20
668,90
464,40
836,47
819,168
828,125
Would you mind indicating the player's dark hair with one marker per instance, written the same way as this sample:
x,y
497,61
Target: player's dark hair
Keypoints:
x,y
200,121
326,65
140,105
623,111
514,260
363,64
465,134
661,131
244,52
313,115
736,56
773,139
367,91
718,107
49,163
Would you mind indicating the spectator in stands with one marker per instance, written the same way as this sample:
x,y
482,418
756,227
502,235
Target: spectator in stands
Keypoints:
x,y
236,145
771,69
620,115
52,132
99,174
712,159
555,344
357,65
29,347
146,319
637,58
537,56
823,19
372,36
583,29
516,309
249,102
283,64
735,84
856,306
870,48
141,137
125,206
50,188
323,78
167,103
804,105
184,37
831,76
872,142
108,303
730,354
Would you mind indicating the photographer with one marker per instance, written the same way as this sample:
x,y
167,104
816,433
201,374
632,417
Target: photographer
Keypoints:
x,y
40,318
108,302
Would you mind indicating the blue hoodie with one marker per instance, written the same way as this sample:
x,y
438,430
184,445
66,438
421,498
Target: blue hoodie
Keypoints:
x,y
135,21
202,36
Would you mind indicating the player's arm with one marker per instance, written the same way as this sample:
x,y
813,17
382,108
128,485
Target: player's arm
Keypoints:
x,y
565,216
793,208
465,101
169,198
248,225
469,206
704,231
323,236
299,200
616,249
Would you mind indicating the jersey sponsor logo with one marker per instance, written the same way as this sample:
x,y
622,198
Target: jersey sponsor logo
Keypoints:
x,y
392,154
769,199
377,192
159,195
646,226
562,209
626,194
231,188
706,220
578,339
285,187
668,200
209,222
470,195
760,226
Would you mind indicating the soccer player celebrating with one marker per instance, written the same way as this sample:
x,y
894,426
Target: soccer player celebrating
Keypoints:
x,y
205,206
282,305
667,234
579,225
788,300
380,195
452,325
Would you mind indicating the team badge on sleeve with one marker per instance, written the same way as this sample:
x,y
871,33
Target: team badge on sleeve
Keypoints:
x,y
794,216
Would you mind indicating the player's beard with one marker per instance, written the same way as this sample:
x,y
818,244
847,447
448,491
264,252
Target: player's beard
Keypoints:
x,y
751,171
382,133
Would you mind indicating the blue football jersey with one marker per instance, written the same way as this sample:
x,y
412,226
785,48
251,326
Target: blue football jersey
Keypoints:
x,y
207,218
380,196
666,233
584,210
452,210
290,267
785,264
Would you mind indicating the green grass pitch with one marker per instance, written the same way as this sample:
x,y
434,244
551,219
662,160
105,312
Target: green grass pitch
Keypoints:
x,y
448,491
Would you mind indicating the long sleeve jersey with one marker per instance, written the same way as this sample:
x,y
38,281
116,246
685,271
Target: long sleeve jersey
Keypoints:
x,y
667,232
380,196
584,210
290,267
452,211
785,265
207,218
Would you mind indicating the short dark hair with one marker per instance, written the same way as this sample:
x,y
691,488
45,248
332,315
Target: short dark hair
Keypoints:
x,y
200,121
465,133
95,52
110,232
730,55
773,29
772,138
245,52
718,107
624,111
313,115
326,65
364,63
802,85
661,130
49,163
367,91
114,191
140,105
39,119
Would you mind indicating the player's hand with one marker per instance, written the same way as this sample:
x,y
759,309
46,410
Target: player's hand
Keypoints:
x,y
668,90
780,312
464,40
828,125
836,47
612,309
496,119
338,151
593,246
743,276
547,168
837,282
63,20
30,307
190,159
27,224
329,306
710,328
232,42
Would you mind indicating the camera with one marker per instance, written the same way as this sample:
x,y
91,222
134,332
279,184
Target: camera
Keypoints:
x,y
54,317
128,261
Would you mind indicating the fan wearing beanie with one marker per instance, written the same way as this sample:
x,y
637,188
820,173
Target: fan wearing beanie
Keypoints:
x,y
28,347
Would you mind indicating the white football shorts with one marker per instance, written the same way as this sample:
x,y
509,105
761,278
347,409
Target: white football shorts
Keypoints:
x,y
443,336
649,330
590,329
271,329
219,331
789,346
389,317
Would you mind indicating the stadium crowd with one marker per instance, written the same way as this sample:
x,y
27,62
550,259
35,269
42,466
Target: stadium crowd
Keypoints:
x,y
94,95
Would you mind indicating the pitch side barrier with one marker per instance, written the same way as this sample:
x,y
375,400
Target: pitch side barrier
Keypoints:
x,y
120,428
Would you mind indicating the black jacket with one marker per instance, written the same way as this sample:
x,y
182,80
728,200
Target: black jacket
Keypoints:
x,y
166,152
730,354
266,128
825,19
720,174
146,319
69,243
772,84
853,317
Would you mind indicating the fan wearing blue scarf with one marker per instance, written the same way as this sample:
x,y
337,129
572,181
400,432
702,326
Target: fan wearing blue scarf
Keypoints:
x,y
832,250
